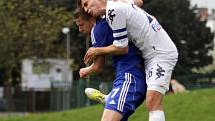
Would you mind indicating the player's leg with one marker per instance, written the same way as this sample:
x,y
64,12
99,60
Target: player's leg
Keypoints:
x,y
158,80
110,115
154,105
154,100
127,94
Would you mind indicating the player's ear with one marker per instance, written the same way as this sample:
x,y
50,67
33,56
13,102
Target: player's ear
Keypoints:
x,y
138,3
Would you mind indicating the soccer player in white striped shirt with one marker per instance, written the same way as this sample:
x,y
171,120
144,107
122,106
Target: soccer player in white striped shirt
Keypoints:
x,y
130,23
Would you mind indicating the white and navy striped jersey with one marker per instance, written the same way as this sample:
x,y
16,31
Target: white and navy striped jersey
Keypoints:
x,y
131,23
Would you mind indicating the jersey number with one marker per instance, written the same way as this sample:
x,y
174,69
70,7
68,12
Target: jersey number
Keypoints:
x,y
114,92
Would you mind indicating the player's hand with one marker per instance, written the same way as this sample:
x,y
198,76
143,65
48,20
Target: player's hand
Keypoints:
x,y
83,72
90,55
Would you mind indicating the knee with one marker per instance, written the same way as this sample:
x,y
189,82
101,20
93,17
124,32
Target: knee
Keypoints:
x,y
149,103
153,103
110,115
108,119
103,119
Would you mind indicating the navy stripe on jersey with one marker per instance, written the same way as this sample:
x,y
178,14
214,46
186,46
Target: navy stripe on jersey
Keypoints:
x,y
150,19
119,30
120,34
119,38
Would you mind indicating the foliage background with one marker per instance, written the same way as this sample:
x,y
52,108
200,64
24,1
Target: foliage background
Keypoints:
x,y
191,36
32,29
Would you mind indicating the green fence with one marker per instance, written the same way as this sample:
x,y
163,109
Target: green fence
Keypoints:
x,y
197,81
63,96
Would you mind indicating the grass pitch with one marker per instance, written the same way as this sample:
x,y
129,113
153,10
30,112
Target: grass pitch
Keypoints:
x,y
196,105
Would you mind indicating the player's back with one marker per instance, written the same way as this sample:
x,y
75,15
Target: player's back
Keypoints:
x,y
142,29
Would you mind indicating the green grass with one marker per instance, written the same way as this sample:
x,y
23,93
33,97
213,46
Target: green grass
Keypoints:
x,y
191,106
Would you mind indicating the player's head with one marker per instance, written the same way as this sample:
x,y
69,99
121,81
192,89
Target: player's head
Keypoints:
x,y
94,7
84,21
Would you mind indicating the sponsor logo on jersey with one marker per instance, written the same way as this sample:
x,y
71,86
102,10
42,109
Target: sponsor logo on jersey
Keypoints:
x,y
112,102
155,25
160,72
111,15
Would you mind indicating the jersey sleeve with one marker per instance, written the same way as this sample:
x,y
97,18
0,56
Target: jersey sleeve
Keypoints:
x,y
116,18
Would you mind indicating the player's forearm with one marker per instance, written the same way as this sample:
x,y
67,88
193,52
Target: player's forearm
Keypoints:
x,y
96,68
92,69
111,50
89,70
97,65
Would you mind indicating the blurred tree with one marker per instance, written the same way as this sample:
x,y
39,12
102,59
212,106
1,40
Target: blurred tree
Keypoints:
x,y
78,44
191,36
68,4
30,29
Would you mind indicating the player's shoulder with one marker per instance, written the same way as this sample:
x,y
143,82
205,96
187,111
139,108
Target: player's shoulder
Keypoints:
x,y
116,5
101,22
102,26
102,33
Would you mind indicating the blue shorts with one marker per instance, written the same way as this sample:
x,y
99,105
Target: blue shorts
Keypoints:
x,y
128,92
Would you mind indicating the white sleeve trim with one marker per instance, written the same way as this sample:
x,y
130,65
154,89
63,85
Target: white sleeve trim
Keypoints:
x,y
121,43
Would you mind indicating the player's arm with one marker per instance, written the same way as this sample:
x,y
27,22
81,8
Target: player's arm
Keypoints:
x,y
117,21
116,17
138,3
95,67
111,49
108,50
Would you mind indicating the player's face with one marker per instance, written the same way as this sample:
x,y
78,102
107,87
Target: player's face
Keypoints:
x,y
84,26
93,7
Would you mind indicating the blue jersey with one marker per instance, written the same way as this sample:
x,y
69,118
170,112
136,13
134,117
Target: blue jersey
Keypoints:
x,y
102,35
129,87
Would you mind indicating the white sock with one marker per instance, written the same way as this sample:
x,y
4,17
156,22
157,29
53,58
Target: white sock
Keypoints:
x,y
157,115
106,98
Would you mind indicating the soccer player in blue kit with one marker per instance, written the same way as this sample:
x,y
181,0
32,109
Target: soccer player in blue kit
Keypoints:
x,y
129,86
132,24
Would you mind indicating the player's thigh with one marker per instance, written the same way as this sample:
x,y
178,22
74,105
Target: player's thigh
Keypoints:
x,y
110,115
158,75
127,94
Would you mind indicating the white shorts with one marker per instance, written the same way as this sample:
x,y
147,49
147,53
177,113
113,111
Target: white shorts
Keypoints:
x,y
158,74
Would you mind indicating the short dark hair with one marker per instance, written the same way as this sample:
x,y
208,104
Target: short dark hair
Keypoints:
x,y
80,12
